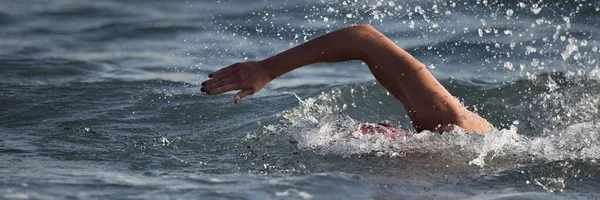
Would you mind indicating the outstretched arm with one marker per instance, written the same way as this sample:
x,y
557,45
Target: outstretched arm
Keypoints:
x,y
429,105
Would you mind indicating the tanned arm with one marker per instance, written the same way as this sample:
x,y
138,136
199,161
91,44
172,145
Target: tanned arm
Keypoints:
x,y
429,105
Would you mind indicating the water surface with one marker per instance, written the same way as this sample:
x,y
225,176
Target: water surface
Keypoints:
x,y
101,100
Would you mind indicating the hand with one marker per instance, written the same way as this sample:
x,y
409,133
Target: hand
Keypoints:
x,y
249,77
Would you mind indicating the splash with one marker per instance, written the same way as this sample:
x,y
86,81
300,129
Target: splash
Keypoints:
x,y
320,124
551,184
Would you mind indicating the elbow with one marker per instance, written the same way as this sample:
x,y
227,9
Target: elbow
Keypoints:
x,y
365,28
366,31
366,38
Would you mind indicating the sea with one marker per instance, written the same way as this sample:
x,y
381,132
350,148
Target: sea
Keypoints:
x,y
101,100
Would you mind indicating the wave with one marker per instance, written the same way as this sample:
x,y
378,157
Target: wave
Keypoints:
x,y
90,68
5,18
157,26
49,70
112,30
557,120
97,9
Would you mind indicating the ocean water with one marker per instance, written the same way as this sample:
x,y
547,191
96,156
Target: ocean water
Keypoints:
x,y
101,100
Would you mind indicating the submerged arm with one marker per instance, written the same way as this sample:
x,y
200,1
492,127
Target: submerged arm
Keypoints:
x,y
429,105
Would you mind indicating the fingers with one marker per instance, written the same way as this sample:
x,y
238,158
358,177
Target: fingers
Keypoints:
x,y
224,80
218,79
222,89
241,95
223,71
217,82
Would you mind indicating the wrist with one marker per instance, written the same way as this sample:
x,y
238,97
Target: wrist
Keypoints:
x,y
269,68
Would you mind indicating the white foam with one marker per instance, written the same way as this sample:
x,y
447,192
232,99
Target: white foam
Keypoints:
x,y
318,125
594,74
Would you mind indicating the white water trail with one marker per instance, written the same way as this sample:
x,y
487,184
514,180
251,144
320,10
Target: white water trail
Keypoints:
x,y
319,125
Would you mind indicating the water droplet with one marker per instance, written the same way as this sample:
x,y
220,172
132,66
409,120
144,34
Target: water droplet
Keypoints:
x,y
509,66
536,9
510,12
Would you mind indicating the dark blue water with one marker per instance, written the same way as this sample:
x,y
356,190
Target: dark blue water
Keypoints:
x,y
101,100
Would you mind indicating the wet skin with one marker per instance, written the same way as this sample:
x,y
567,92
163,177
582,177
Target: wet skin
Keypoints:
x,y
429,105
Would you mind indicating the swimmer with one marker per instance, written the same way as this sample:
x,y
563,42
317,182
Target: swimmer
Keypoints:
x,y
428,104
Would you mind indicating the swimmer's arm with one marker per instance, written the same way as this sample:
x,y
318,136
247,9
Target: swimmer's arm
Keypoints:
x,y
250,77
429,105
341,45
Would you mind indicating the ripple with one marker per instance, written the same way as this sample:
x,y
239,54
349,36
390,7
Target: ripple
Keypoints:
x,y
93,10
136,29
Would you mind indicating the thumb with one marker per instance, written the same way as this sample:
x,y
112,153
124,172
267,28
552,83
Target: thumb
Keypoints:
x,y
241,95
